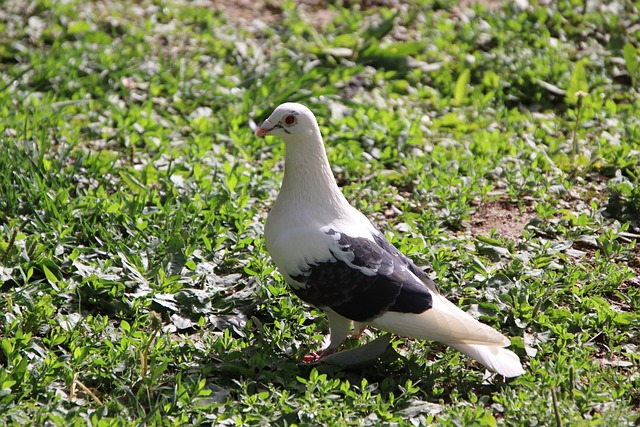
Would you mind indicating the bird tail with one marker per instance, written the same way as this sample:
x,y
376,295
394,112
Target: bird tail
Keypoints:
x,y
496,358
448,324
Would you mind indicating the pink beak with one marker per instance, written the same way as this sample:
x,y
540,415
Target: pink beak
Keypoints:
x,y
264,128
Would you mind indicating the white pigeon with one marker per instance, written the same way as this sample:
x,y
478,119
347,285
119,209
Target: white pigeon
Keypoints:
x,y
335,259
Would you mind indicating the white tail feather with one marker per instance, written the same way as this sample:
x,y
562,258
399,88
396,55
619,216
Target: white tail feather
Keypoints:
x,y
447,323
443,322
498,359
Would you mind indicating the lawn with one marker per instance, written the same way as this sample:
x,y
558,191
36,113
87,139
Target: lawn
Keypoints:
x,y
496,145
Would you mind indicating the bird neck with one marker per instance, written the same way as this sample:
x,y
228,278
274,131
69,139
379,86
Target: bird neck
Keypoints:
x,y
308,181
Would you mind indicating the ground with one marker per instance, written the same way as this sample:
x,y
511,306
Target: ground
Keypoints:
x,y
502,215
135,286
317,11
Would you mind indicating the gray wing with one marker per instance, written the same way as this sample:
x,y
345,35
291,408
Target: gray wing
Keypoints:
x,y
364,279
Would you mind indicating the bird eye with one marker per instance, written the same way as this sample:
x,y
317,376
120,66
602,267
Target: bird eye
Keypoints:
x,y
290,120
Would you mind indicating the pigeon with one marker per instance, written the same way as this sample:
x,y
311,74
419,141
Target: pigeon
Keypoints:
x,y
335,259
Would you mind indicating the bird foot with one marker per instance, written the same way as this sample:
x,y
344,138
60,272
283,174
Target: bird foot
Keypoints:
x,y
358,332
316,357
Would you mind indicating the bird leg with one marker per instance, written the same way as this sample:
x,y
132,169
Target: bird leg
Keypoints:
x,y
339,327
358,330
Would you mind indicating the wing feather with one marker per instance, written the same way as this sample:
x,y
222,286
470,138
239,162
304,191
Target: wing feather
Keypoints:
x,y
361,279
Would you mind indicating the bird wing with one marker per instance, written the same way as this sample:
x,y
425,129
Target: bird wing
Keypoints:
x,y
364,278
360,280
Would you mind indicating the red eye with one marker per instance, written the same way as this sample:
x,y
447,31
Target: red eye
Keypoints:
x,y
289,120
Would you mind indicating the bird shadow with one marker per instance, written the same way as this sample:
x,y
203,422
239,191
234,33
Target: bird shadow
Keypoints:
x,y
434,379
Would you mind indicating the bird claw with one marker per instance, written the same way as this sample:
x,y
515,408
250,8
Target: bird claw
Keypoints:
x,y
357,334
316,357
309,358
358,330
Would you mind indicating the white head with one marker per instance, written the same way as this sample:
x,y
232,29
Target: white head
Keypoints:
x,y
289,121
308,186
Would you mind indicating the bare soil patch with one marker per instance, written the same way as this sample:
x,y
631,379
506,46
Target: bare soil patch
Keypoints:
x,y
319,14
243,11
503,215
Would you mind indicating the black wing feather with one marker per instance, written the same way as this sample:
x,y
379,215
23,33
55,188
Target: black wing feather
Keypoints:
x,y
347,289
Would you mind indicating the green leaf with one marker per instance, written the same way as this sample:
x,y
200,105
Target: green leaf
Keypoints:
x,y
80,353
125,326
207,243
478,267
231,181
460,91
8,384
175,252
378,31
489,241
578,83
77,27
49,275
631,59
405,49
450,120
491,79
344,41
133,182
7,347
98,37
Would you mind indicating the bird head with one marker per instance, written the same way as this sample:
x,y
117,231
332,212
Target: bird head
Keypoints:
x,y
289,119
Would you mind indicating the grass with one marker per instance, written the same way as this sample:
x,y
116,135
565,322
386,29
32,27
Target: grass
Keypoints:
x,y
134,283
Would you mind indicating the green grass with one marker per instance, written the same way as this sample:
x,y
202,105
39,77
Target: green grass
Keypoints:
x,y
134,283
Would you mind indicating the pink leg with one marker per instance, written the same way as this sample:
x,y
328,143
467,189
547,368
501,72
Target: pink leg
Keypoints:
x,y
339,327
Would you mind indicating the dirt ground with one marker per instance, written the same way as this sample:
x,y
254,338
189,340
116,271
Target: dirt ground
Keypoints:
x,y
504,216
319,14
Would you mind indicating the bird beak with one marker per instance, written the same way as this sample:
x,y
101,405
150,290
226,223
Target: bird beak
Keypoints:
x,y
264,128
